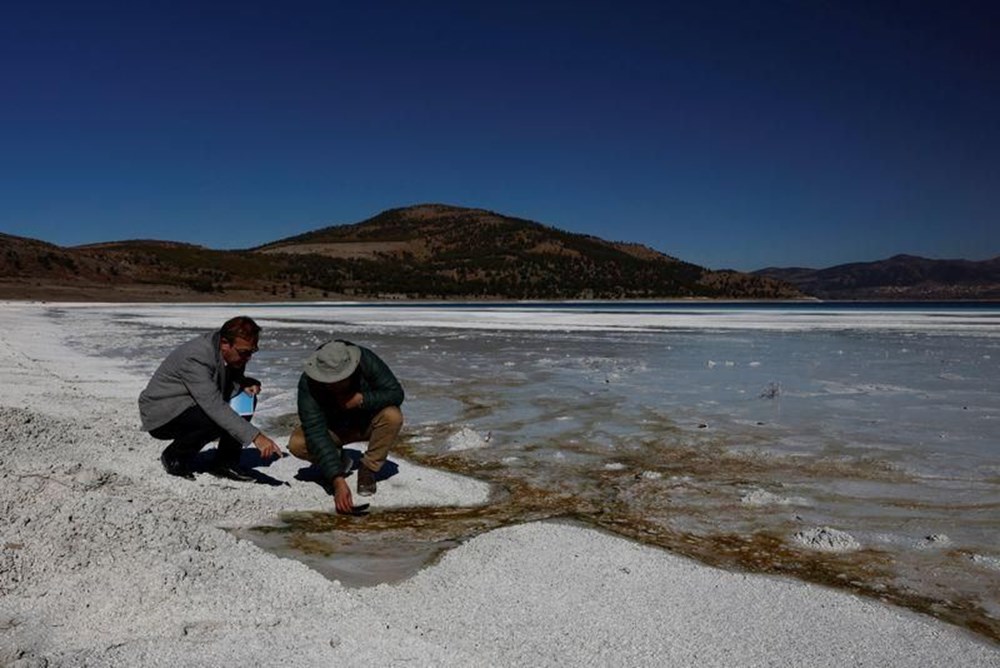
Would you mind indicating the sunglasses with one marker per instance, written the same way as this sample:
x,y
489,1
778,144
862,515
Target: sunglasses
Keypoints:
x,y
244,352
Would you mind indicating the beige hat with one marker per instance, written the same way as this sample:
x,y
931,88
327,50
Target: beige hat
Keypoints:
x,y
333,361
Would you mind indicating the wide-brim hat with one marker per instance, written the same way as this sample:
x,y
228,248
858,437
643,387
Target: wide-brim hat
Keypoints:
x,y
333,361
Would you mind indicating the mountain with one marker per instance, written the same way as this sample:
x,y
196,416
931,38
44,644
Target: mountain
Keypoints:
x,y
901,277
429,251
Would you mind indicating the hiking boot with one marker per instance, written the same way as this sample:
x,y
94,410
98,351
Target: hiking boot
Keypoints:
x,y
366,481
176,467
231,472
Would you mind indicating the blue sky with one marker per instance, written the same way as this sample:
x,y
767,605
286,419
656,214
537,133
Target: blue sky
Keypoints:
x,y
729,134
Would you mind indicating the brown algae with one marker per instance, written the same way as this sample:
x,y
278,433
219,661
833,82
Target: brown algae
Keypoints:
x,y
392,544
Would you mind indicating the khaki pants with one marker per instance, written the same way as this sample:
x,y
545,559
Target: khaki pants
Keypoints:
x,y
381,433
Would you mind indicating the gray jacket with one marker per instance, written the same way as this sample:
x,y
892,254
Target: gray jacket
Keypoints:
x,y
193,374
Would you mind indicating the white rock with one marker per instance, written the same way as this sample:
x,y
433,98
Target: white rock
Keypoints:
x,y
934,540
761,497
465,439
988,562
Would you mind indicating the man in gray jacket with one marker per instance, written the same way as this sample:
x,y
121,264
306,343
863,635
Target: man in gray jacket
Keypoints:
x,y
187,401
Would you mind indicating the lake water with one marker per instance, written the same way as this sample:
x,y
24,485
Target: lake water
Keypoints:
x,y
853,445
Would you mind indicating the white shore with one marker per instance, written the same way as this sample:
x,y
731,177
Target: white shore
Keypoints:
x,y
106,560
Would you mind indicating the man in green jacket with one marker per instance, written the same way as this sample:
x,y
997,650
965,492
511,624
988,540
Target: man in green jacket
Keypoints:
x,y
346,394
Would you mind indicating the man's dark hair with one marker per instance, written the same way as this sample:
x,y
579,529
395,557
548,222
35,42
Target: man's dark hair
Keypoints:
x,y
240,327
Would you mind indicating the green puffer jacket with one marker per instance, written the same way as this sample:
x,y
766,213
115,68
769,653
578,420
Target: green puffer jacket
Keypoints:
x,y
319,414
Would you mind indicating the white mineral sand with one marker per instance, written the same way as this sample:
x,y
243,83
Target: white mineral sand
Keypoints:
x,y
107,561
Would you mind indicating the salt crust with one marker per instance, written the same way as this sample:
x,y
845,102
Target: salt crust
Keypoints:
x,y
465,438
988,562
936,540
106,561
827,539
761,497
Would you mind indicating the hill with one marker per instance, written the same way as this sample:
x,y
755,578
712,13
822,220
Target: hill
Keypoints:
x,y
136,270
901,277
447,251
430,251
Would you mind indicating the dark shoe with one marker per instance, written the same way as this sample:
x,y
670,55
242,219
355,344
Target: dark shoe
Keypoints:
x,y
231,472
366,481
346,463
176,467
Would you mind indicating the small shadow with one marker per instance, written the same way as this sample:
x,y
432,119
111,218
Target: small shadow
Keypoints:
x,y
250,460
389,469
311,473
260,478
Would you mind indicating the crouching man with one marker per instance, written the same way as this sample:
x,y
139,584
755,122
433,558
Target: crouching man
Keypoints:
x,y
187,401
346,394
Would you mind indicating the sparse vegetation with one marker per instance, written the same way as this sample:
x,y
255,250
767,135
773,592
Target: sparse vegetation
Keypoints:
x,y
432,251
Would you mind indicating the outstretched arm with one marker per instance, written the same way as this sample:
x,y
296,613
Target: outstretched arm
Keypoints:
x,y
342,498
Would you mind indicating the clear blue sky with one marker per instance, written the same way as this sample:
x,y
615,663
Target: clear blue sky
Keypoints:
x,y
729,134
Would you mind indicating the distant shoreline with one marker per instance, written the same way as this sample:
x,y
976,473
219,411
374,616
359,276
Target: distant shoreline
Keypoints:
x,y
33,291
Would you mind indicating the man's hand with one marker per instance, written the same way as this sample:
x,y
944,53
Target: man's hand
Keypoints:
x,y
267,447
354,401
251,386
342,498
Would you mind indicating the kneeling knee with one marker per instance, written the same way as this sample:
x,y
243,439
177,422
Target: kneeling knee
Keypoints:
x,y
392,415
